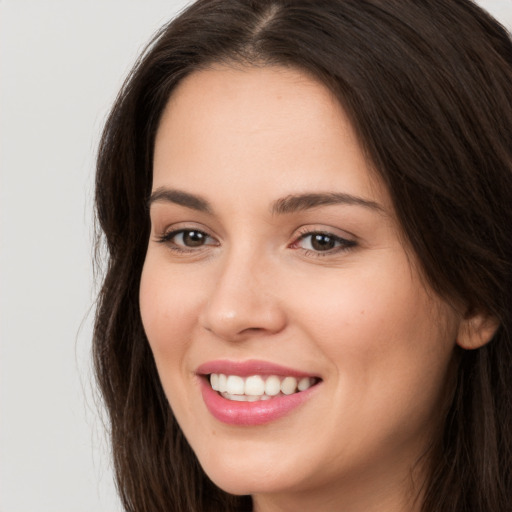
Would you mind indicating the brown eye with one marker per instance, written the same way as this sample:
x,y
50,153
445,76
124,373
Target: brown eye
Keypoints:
x,y
187,239
321,242
193,238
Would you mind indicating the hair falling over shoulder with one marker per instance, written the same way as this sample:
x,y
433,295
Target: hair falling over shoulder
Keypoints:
x,y
427,86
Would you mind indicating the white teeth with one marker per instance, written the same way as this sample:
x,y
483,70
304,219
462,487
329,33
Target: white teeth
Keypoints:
x,y
245,398
272,386
214,381
304,383
289,385
223,380
236,398
256,387
235,385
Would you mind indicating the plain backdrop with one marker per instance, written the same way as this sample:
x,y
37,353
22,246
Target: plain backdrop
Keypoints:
x,y
61,65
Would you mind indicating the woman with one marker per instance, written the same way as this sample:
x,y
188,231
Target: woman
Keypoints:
x,y
307,305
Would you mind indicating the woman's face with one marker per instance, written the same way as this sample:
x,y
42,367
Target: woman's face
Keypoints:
x,y
275,260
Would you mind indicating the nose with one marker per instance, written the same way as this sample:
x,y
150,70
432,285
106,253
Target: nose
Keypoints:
x,y
242,301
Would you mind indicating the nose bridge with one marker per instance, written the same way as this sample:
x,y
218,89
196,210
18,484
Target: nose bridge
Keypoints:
x,y
242,299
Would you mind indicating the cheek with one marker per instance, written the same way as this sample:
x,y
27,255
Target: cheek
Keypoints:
x,y
361,312
382,309
168,305
387,340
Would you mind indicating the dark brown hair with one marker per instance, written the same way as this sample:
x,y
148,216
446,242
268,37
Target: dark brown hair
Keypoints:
x,y
427,85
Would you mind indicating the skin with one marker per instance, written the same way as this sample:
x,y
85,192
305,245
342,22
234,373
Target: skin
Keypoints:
x,y
358,316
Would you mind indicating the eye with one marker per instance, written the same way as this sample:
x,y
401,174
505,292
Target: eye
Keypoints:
x,y
190,238
322,242
186,239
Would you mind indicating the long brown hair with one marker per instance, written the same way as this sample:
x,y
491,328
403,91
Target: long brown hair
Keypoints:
x,y
428,87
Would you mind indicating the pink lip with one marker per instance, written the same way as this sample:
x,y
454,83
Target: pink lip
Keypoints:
x,y
247,368
250,413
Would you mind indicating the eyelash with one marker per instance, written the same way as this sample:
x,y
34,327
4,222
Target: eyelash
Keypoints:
x,y
342,243
167,238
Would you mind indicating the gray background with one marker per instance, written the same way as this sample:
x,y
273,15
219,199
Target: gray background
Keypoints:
x,y
61,64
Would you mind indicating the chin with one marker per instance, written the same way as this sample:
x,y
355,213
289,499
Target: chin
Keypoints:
x,y
243,475
233,483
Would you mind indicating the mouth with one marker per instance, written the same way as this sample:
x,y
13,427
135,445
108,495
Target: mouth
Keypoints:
x,y
256,388
253,392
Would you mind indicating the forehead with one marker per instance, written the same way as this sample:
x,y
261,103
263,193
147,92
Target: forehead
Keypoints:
x,y
250,101
268,122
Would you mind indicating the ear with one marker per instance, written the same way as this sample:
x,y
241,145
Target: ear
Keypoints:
x,y
476,330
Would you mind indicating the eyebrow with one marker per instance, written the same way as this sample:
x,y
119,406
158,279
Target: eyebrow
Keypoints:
x,y
167,195
301,202
289,204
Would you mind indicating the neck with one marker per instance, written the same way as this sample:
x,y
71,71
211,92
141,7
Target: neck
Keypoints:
x,y
369,491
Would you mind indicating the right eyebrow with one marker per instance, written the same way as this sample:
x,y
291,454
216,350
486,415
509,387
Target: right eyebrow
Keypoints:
x,y
168,195
300,202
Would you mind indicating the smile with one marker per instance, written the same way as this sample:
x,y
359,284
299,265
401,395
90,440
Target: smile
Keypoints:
x,y
258,387
253,392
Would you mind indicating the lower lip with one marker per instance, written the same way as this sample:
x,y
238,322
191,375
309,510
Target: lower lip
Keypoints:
x,y
251,413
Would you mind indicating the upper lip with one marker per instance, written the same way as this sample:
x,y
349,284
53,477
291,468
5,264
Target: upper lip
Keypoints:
x,y
250,367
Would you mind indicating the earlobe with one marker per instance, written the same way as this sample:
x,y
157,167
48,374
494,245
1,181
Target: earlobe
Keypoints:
x,y
477,330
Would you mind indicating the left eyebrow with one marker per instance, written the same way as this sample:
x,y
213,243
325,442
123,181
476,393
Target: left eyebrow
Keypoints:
x,y
300,202
168,195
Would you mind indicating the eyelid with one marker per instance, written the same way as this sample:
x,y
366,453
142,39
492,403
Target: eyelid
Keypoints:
x,y
161,229
345,241
322,228
166,236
